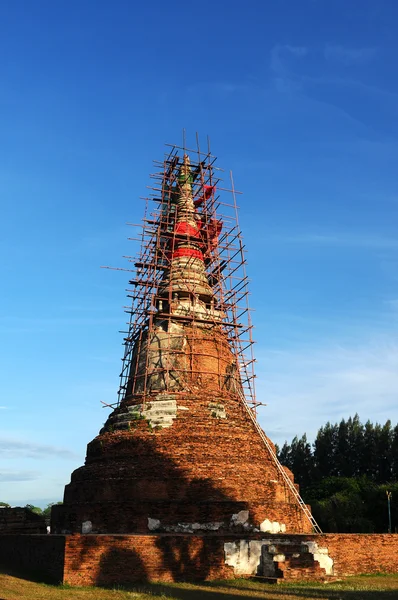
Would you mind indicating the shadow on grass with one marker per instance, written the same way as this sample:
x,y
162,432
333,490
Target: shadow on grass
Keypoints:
x,y
33,575
223,590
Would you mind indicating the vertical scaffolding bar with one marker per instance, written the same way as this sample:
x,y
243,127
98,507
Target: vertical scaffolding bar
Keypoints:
x,y
224,260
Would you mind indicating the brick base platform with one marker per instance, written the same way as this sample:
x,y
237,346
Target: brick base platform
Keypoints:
x,y
203,469
109,559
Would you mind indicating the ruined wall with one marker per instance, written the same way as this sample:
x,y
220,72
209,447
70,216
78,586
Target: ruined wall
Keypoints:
x,y
109,559
183,456
39,557
104,560
207,464
354,554
174,357
21,520
338,555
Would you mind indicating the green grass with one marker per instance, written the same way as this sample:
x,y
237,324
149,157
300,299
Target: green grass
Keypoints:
x,y
369,587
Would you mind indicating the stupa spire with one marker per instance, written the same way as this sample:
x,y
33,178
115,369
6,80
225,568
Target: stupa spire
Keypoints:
x,y
185,277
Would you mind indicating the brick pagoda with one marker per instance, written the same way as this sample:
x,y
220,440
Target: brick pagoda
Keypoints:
x,y
181,452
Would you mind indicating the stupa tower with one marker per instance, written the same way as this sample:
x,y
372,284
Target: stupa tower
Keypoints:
x,y
182,450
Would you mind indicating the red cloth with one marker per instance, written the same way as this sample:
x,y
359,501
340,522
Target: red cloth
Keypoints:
x,y
188,252
207,192
185,228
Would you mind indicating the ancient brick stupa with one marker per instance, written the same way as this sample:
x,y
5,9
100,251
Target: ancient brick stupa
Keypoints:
x,y
182,450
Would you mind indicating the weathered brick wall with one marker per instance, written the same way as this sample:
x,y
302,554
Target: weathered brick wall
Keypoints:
x,y
108,559
21,520
362,553
201,469
352,554
103,559
40,557
208,464
133,515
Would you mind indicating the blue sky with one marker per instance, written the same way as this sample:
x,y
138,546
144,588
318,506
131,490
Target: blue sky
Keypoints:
x,y
300,100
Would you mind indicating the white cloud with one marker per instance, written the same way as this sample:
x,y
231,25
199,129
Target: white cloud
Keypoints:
x,y
13,448
339,239
298,51
309,386
281,52
281,57
291,73
349,56
7,475
392,304
10,324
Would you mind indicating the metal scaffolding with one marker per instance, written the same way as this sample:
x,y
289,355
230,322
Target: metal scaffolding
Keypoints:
x,y
223,255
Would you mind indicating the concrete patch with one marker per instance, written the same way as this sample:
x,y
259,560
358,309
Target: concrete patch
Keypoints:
x,y
240,518
217,410
153,524
244,556
321,555
87,527
159,412
156,525
268,526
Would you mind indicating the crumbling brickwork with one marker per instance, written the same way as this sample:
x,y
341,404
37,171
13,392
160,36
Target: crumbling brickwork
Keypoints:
x,y
39,557
108,559
182,452
354,554
201,470
21,520
104,560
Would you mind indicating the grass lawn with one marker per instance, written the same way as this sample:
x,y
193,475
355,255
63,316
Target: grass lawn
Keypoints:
x,y
383,587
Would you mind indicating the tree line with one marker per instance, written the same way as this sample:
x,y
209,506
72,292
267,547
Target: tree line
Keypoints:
x,y
45,512
346,473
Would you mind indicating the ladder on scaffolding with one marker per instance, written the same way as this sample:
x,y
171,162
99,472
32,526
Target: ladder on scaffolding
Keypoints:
x,y
281,470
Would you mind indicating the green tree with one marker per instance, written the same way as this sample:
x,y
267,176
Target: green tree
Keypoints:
x,y
346,477
355,444
325,449
384,457
284,455
394,454
302,464
368,458
338,505
343,455
47,511
35,509
298,457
